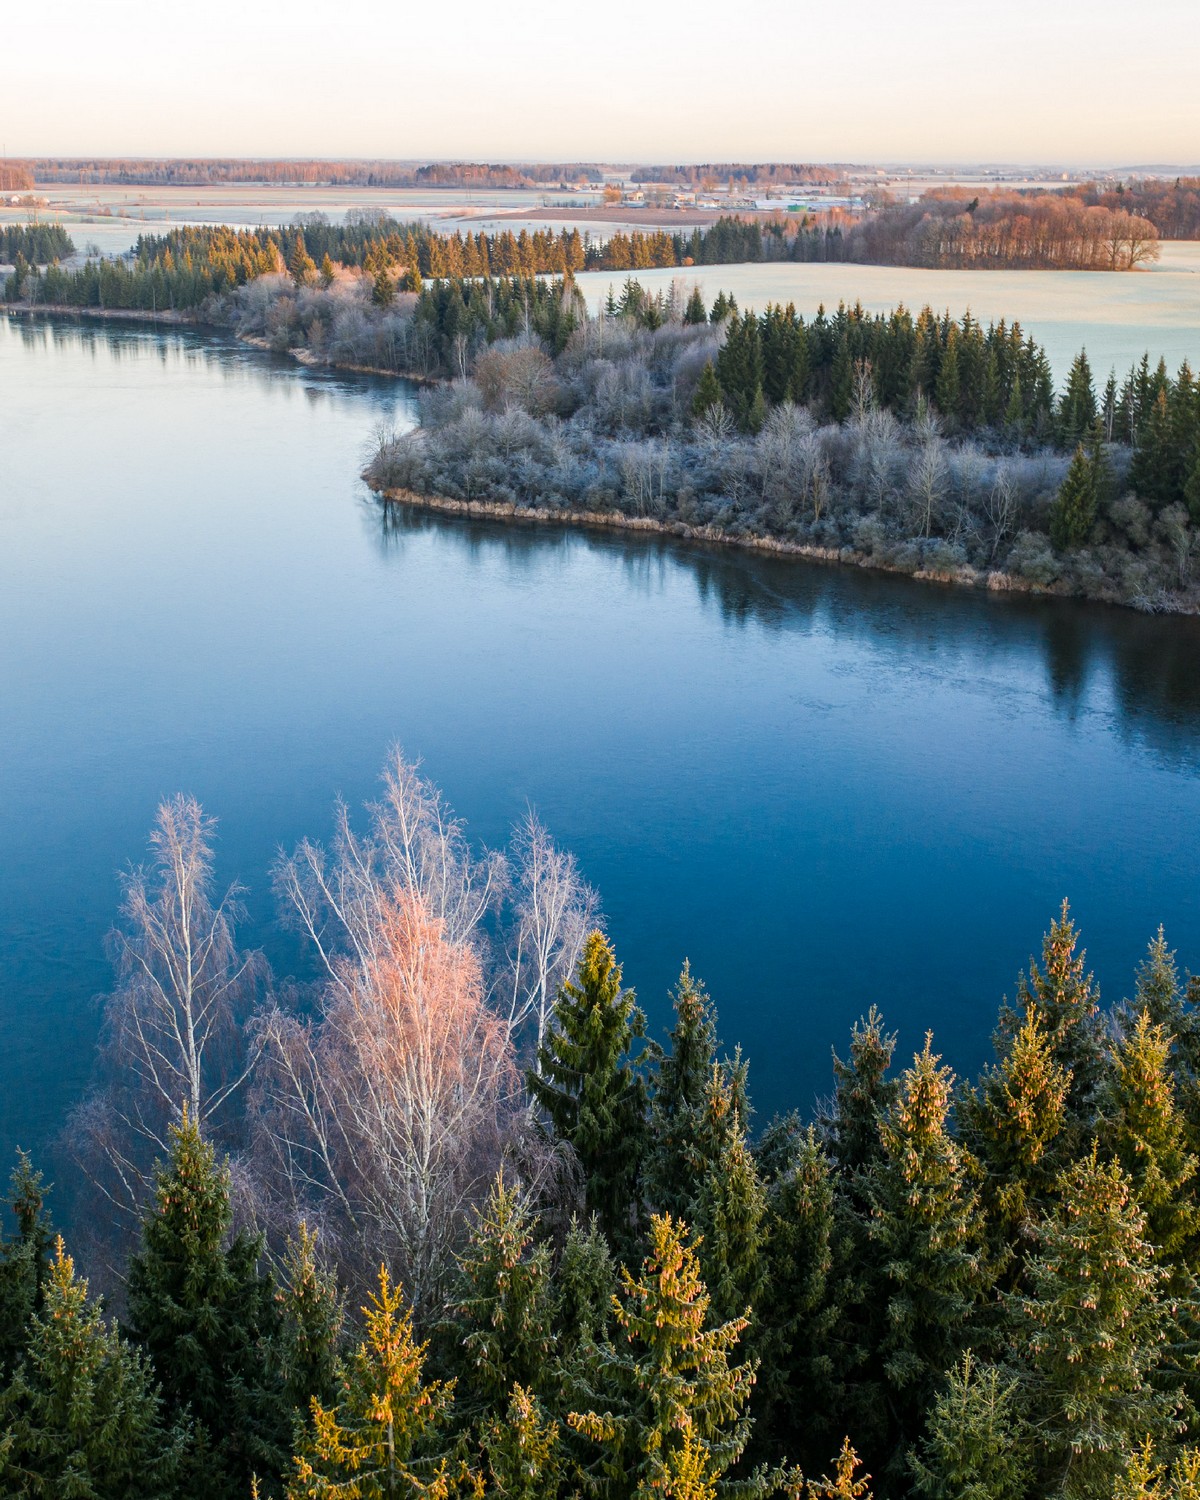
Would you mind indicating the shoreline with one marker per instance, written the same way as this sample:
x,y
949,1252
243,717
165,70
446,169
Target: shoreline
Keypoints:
x,y
173,319
993,581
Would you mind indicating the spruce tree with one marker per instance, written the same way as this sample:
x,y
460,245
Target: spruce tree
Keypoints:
x,y
729,1213
695,312
587,1087
585,1282
1191,488
503,1305
976,1445
24,1261
301,265
1087,1333
208,1317
1064,999
668,1404
1145,1130
674,1164
863,1093
925,1233
387,1436
521,1449
1013,1122
82,1414
1077,409
313,1313
708,392
1160,995
800,1328
1073,512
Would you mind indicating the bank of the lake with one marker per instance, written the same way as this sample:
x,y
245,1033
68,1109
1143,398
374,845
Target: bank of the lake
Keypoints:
x,y
607,520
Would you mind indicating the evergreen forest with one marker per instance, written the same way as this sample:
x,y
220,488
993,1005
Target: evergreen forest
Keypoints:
x,y
446,1221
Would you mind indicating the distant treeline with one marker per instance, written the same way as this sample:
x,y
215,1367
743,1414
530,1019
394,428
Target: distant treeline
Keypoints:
x,y
1046,231
184,268
201,172
37,243
740,173
1172,207
14,178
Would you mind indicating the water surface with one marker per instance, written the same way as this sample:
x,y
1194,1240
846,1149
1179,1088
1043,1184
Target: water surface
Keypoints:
x,y
824,787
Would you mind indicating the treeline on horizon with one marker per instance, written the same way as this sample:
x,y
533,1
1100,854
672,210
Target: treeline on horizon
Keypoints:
x,y
598,1278
200,172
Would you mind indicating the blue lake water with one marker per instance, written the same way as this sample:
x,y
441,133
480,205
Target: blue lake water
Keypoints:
x,y
825,788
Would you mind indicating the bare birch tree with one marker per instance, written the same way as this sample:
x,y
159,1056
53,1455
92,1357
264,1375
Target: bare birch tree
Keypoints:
x,y
555,909
175,1027
385,1112
342,898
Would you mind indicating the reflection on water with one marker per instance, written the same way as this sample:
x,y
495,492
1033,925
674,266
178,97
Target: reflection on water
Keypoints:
x,y
1143,669
823,786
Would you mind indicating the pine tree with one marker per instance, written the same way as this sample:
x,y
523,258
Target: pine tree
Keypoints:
x,y
587,1087
669,1413
1074,510
82,1413
708,392
841,381
503,1305
313,1312
926,1233
209,1320
674,1164
976,1445
328,272
1087,1333
24,1261
387,1436
948,391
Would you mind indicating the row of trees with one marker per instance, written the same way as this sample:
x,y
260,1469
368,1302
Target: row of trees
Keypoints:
x,y
988,1288
1037,231
1172,206
36,244
187,268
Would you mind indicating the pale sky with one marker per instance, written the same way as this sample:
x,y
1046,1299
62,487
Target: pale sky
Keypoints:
x,y
1088,82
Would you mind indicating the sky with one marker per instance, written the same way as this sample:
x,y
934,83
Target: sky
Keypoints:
x,y
1081,82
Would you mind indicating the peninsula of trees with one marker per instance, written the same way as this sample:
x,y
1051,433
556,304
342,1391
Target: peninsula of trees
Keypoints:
x,y
447,1223
917,443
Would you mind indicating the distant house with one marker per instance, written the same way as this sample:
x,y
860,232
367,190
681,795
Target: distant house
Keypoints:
x,y
633,195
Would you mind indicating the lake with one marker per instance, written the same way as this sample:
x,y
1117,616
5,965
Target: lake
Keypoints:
x,y
825,788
